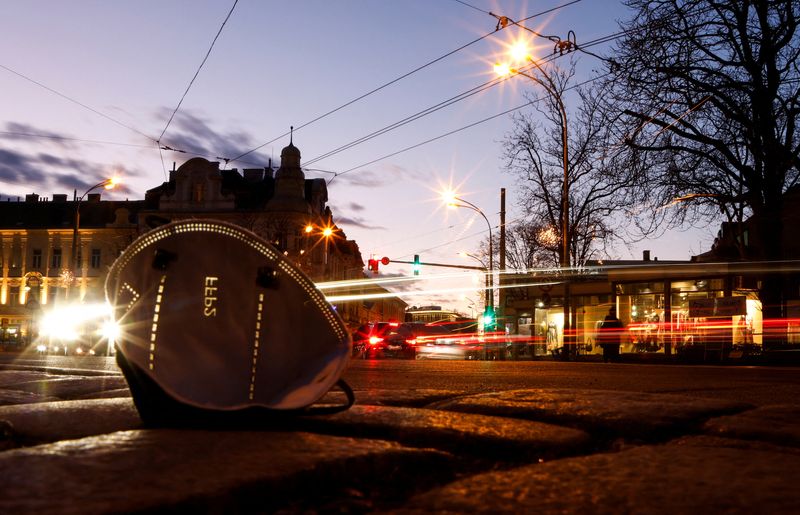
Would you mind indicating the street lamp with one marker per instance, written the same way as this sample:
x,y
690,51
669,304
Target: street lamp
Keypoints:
x,y
107,184
504,69
327,232
451,200
519,52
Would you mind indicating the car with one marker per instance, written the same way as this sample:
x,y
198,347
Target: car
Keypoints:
x,y
369,336
393,339
463,341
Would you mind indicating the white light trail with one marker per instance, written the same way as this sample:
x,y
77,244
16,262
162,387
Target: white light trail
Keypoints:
x,y
415,293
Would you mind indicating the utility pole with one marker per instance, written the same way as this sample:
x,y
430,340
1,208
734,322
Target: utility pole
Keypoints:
x,y
502,257
500,314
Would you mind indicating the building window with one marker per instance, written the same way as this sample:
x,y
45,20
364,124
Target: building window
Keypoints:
x,y
55,259
95,258
36,260
199,193
13,296
16,257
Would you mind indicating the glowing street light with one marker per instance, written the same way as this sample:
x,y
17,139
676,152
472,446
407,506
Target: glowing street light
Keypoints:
x,y
519,52
108,184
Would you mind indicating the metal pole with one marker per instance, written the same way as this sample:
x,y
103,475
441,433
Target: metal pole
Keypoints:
x,y
74,255
75,230
551,88
490,292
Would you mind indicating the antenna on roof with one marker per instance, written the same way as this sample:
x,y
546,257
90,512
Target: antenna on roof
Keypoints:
x,y
291,133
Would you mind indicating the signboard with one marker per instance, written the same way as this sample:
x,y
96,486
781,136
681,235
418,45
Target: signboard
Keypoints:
x,y
701,308
717,307
730,306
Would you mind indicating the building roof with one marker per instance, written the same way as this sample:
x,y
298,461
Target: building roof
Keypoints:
x,y
38,213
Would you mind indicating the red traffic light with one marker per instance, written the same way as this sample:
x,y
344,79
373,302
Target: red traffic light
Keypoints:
x,y
385,260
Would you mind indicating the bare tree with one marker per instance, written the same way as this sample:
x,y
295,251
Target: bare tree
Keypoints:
x,y
597,178
524,248
711,91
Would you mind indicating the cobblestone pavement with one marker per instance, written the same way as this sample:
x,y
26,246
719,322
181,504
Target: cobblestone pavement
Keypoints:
x,y
73,443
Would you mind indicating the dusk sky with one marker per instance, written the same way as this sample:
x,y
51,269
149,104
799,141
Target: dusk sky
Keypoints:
x,y
88,88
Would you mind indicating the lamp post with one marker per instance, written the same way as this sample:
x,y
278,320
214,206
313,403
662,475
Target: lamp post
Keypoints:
x,y
550,87
453,201
326,233
519,51
107,184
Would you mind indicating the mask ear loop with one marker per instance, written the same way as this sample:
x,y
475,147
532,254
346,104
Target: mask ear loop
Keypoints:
x,y
328,410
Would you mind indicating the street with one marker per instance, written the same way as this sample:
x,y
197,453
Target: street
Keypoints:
x,y
755,385
423,436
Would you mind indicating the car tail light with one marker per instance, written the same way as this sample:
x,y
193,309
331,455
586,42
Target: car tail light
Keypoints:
x,y
411,341
375,340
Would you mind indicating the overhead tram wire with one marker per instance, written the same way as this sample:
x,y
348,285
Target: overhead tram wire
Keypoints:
x,y
161,147
198,70
365,95
81,104
67,138
462,2
395,80
595,42
157,141
421,114
455,131
95,111
412,118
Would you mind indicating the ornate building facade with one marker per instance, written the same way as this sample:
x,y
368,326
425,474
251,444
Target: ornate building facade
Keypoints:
x,y
283,207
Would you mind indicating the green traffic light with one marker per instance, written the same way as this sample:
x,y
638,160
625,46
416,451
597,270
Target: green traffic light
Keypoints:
x,y
489,320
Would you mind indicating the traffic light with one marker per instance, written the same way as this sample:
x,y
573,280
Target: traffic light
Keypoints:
x,y
373,263
416,266
489,319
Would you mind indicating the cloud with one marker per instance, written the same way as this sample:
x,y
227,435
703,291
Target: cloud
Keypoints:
x,y
45,171
18,168
354,206
194,134
355,221
15,131
386,175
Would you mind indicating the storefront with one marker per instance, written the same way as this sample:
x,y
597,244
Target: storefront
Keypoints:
x,y
534,314
684,308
